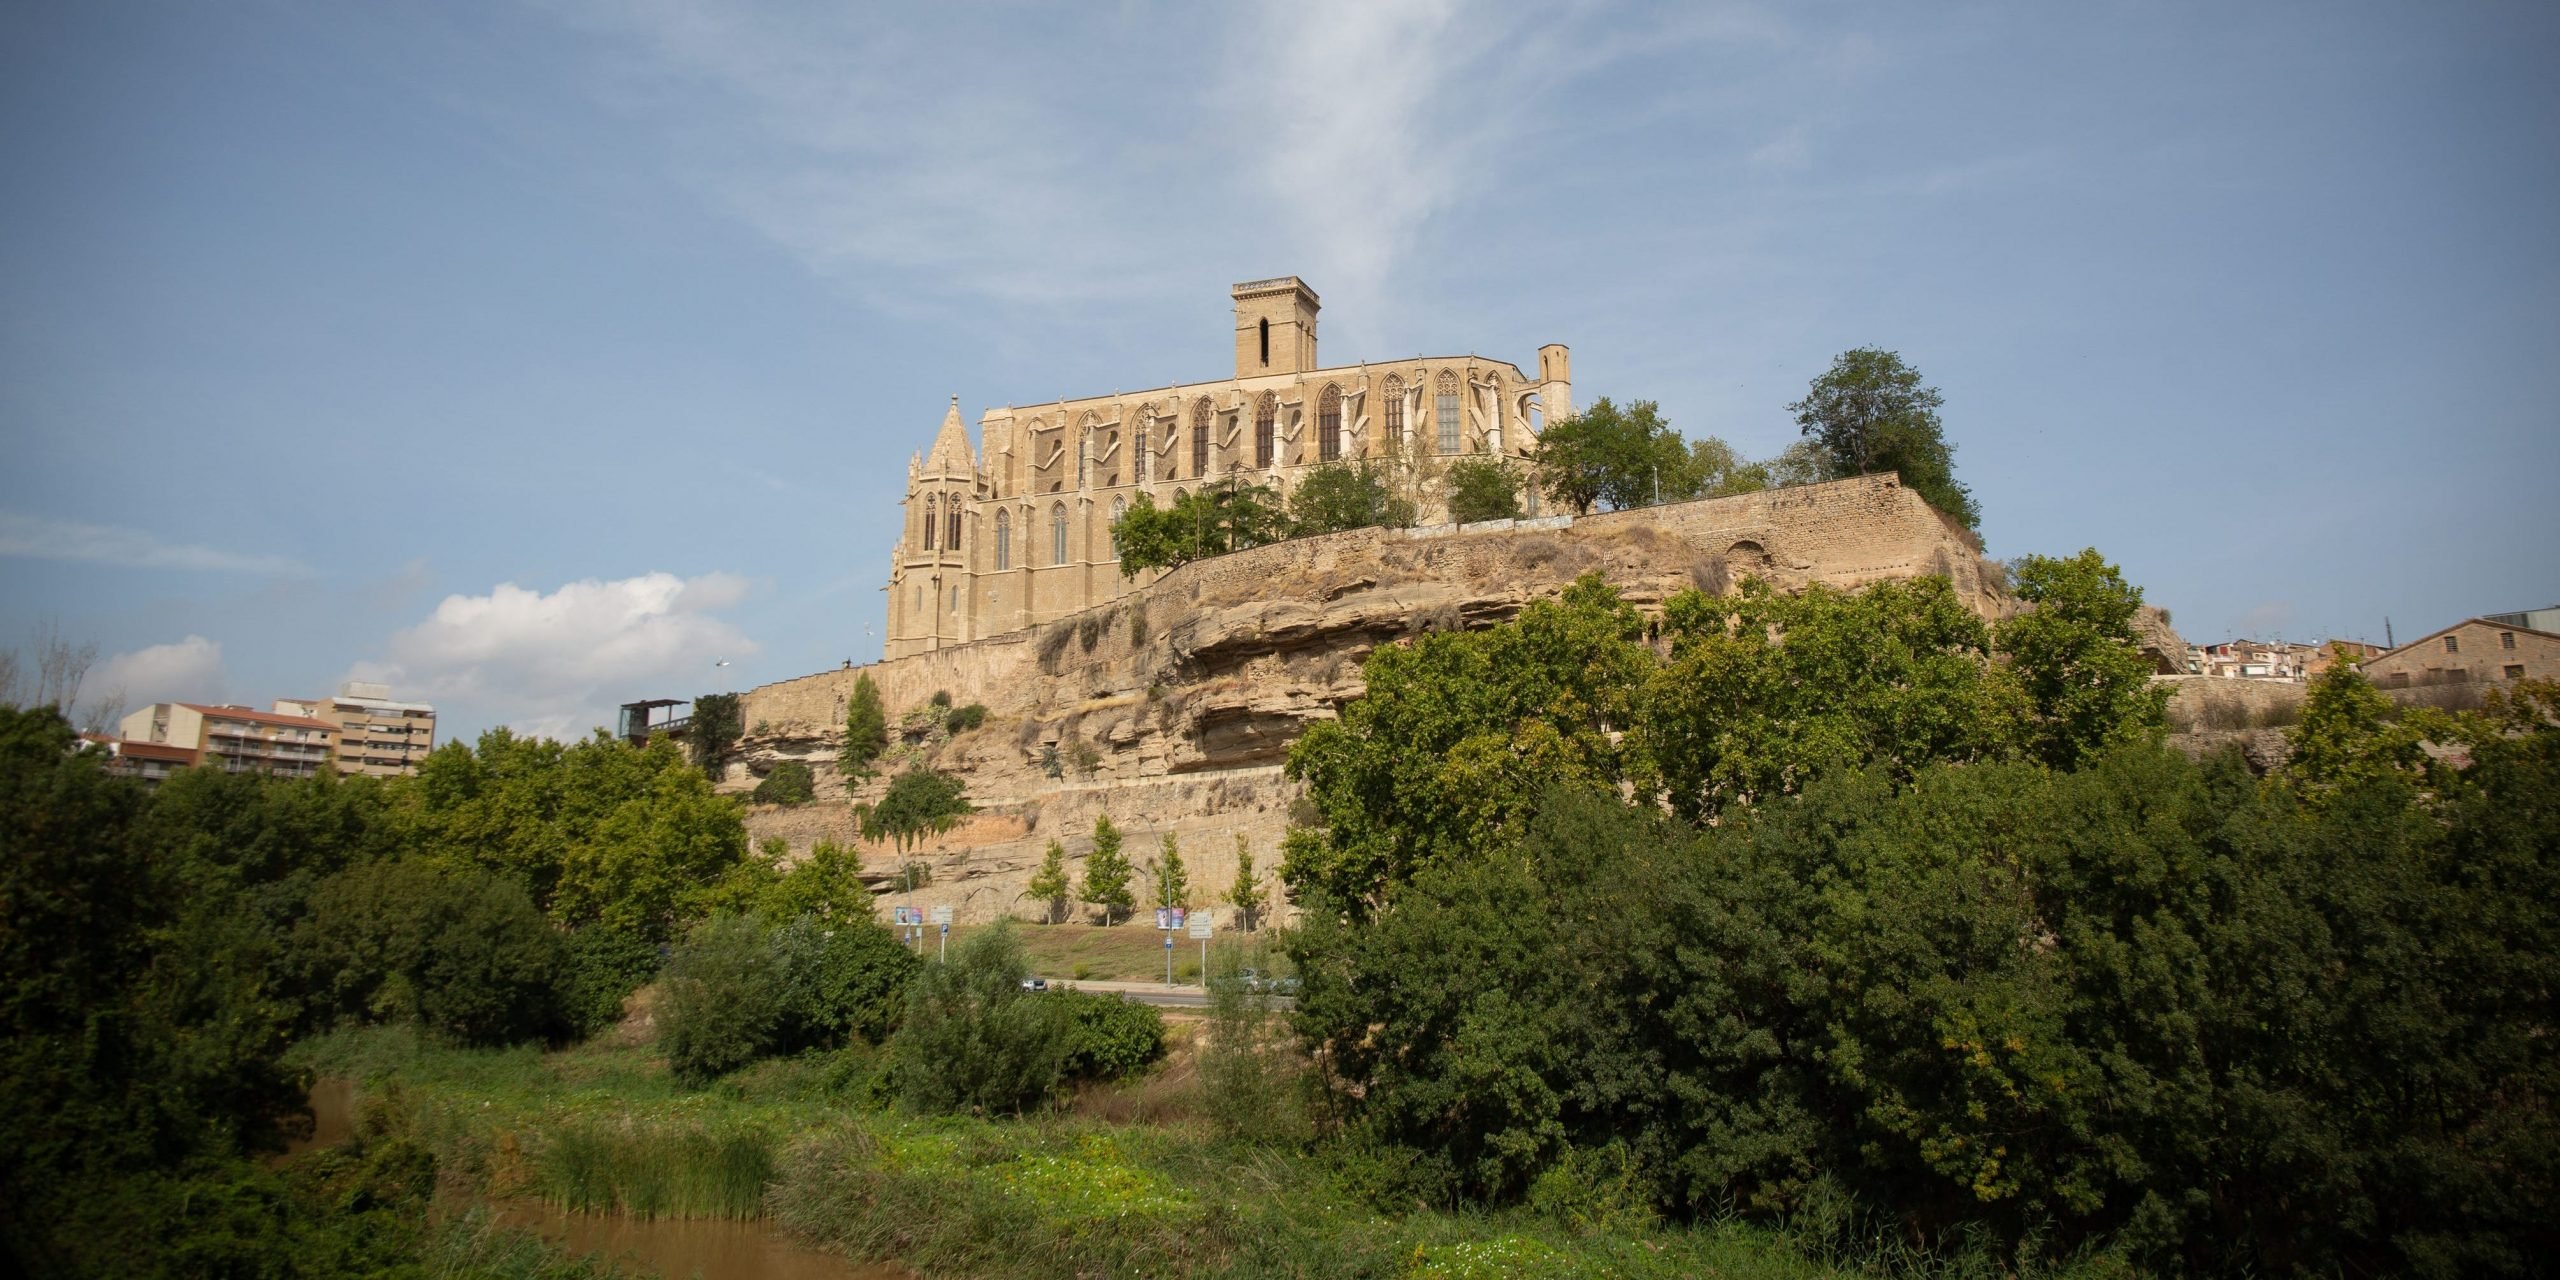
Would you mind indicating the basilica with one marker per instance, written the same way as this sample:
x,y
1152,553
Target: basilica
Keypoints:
x,y
1016,531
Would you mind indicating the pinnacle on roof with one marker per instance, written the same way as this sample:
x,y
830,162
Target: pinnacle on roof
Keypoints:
x,y
950,453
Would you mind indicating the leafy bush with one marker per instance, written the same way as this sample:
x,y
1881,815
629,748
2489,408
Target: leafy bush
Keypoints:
x,y
1110,1037
922,801
723,999
600,969
963,719
714,728
455,950
1483,488
866,729
974,1040
789,783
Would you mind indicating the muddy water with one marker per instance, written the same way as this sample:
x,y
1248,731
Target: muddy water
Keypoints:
x,y
679,1247
674,1248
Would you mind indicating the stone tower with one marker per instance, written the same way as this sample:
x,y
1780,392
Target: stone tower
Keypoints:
x,y
1555,382
1275,327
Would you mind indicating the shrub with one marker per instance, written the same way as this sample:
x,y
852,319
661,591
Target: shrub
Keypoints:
x,y
601,969
1110,1037
963,719
921,801
456,950
789,783
724,1000
974,1040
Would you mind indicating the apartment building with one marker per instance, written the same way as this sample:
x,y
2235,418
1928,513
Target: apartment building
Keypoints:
x,y
370,733
243,739
2472,651
152,762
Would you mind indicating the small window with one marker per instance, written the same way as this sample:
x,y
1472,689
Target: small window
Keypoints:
x,y
1058,534
1266,342
1004,539
1119,512
932,521
955,599
2514,671
951,528
2506,639
2453,644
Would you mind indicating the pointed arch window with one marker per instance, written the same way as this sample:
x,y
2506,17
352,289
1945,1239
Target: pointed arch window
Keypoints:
x,y
1445,405
1004,539
1138,453
1058,534
1200,437
1119,509
1394,407
932,520
1265,412
951,525
1329,424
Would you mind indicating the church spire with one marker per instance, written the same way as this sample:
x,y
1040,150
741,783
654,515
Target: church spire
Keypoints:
x,y
950,454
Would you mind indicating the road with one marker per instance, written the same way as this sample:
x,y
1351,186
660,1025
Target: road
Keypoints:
x,y
1158,994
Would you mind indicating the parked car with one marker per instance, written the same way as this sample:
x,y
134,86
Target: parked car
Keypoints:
x,y
1035,984
1282,986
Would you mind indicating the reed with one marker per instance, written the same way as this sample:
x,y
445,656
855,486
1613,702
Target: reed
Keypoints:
x,y
655,1169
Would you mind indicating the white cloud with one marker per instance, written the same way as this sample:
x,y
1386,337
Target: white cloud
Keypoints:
x,y
45,538
557,664
190,670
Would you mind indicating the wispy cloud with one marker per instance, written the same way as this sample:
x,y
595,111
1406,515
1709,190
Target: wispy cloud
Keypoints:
x,y
46,538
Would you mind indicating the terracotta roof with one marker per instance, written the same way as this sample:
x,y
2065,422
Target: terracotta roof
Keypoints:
x,y
277,719
133,750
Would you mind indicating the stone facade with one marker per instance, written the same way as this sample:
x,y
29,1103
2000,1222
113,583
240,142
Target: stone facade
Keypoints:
x,y
1015,531
2478,651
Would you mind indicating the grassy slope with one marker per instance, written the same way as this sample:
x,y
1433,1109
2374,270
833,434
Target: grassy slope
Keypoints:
x,y
596,1126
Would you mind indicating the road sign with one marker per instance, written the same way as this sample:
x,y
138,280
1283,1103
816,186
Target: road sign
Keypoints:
x,y
942,915
1200,927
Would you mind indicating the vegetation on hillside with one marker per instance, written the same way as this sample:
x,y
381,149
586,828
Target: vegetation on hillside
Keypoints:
x,y
1846,898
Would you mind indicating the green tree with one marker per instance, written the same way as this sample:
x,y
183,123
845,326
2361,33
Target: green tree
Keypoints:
x,y
826,886
1213,520
1049,886
2087,683
1764,692
1483,488
921,802
1172,882
1625,457
454,950
713,730
866,729
1247,894
1107,872
1456,738
722,1000
2351,734
1716,470
789,783
1870,413
973,1040
1346,494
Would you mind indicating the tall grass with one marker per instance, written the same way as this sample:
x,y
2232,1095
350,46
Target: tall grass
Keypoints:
x,y
654,1169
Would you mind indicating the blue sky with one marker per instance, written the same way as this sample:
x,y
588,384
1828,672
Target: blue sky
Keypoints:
x,y
539,356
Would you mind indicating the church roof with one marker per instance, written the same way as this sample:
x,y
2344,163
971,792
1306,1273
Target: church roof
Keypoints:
x,y
950,453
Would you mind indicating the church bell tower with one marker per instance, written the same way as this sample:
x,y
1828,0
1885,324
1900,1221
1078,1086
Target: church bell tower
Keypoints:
x,y
1275,327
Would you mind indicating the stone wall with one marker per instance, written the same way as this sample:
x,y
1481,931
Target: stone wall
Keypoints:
x,y
1171,708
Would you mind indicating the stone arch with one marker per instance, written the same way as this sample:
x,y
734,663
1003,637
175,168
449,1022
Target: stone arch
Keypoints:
x,y
1119,511
1392,412
951,524
1058,533
932,518
1004,539
1746,558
